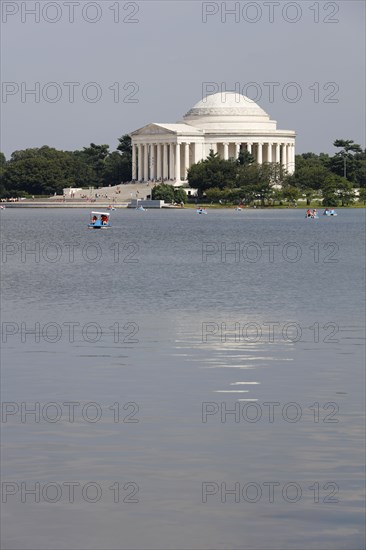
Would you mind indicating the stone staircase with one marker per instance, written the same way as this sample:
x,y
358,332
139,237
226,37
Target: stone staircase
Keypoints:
x,y
117,194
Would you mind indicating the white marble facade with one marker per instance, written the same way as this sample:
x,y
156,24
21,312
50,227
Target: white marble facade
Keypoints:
x,y
226,123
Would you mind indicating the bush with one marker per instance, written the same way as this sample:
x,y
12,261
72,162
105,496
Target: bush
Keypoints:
x,y
330,201
180,195
163,192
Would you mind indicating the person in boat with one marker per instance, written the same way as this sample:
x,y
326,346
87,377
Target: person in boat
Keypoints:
x,y
104,219
314,213
94,219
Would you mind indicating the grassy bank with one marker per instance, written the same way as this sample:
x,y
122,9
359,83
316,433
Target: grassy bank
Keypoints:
x,y
277,207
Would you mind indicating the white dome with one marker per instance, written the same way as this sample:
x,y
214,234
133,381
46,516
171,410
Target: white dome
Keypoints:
x,y
226,104
228,111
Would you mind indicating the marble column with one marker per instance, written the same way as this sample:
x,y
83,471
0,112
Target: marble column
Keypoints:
x,y
146,162
260,153
213,146
278,157
134,171
269,152
197,152
158,161
291,158
249,147
186,159
165,161
152,161
237,150
284,156
171,160
139,162
226,151
177,162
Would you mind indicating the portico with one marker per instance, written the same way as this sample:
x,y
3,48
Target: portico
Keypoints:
x,y
224,123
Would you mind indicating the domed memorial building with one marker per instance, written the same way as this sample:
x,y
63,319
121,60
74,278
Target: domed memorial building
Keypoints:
x,y
226,122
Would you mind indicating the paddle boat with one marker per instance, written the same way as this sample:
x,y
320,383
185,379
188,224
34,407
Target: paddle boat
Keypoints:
x,y
201,210
110,207
99,220
330,212
238,209
312,214
140,208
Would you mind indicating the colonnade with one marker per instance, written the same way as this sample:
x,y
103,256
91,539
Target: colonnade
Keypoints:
x,y
171,161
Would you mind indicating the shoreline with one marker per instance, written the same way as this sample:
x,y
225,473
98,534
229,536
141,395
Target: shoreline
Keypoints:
x,y
39,204
42,204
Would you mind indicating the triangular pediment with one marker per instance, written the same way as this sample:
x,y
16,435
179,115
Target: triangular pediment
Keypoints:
x,y
152,129
178,129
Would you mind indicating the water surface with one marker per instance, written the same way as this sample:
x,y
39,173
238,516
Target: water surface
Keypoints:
x,y
233,311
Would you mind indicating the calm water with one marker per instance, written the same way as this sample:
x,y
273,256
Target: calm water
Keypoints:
x,y
172,319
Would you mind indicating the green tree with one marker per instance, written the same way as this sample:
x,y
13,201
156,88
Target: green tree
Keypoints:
x,y
125,145
362,196
309,194
245,158
256,181
43,170
212,172
344,163
180,195
360,171
95,157
163,192
337,189
214,194
276,196
268,175
117,169
345,192
291,194
36,176
125,148
310,172
3,191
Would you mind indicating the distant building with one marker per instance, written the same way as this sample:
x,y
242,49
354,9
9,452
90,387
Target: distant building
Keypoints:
x,y
227,123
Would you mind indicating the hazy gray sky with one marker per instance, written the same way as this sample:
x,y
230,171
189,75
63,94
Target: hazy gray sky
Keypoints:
x,y
131,63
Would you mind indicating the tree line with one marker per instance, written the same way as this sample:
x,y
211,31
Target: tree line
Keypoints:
x,y
334,178
46,170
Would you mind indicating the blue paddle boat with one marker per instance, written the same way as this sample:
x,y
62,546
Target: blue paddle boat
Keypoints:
x,y
99,220
329,212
